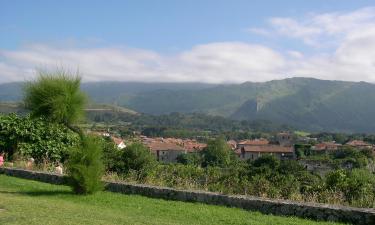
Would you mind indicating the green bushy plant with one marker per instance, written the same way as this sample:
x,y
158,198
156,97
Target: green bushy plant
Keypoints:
x,y
193,158
55,95
137,157
85,166
36,138
111,155
217,153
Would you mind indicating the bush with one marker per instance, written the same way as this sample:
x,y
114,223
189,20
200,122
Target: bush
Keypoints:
x,y
265,165
36,138
358,186
192,158
217,153
85,166
138,158
111,155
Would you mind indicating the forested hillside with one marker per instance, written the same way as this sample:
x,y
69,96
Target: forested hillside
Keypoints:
x,y
304,103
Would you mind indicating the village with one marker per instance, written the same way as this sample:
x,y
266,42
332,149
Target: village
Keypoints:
x,y
283,146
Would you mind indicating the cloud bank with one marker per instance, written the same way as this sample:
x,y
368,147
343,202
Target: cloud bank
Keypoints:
x,y
343,46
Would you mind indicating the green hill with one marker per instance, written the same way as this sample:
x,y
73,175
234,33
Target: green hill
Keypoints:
x,y
304,103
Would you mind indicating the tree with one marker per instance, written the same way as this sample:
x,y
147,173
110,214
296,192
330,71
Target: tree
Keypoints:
x,y
55,96
217,153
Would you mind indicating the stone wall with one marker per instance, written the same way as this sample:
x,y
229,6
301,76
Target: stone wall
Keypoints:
x,y
34,175
268,206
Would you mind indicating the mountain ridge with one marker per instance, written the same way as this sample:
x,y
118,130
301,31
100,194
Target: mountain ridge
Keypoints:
x,y
305,103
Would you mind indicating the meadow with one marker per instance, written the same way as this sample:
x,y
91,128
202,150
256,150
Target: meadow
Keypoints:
x,y
30,202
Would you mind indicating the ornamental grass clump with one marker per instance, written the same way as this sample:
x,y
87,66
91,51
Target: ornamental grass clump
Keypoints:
x,y
85,166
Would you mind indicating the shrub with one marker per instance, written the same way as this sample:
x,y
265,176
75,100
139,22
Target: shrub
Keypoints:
x,y
85,167
193,158
217,153
357,185
111,155
36,138
360,188
137,157
265,165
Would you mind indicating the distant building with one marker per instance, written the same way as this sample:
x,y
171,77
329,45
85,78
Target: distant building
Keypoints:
x,y
255,151
254,142
166,152
193,146
359,144
285,138
119,142
326,147
232,144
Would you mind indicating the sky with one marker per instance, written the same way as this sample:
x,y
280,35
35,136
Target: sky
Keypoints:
x,y
211,41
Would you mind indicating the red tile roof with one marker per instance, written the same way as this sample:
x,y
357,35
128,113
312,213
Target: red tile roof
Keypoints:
x,y
164,146
268,149
326,146
232,144
358,143
260,141
189,145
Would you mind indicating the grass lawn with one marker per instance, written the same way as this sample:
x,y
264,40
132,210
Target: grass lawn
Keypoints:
x,y
30,202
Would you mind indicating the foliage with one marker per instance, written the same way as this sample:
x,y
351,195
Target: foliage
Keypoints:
x,y
351,158
186,125
358,186
193,158
85,166
36,138
137,157
302,150
111,155
56,96
217,153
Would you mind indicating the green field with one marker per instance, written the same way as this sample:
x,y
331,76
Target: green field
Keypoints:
x,y
30,202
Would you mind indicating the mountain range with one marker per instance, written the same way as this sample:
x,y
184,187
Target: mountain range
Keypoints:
x,y
304,103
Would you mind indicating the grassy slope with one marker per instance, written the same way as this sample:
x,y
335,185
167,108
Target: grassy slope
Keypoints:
x,y
31,202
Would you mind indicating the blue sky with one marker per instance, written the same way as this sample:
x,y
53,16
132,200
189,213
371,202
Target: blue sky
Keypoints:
x,y
187,40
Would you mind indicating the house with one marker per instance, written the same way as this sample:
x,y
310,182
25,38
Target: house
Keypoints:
x,y
255,151
232,144
193,146
326,147
119,142
165,151
285,139
255,142
359,144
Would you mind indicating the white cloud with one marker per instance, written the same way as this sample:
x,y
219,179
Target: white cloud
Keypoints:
x,y
215,63
322,29
351,56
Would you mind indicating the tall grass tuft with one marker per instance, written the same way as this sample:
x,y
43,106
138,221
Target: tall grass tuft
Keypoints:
x,y
56,96
85,166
